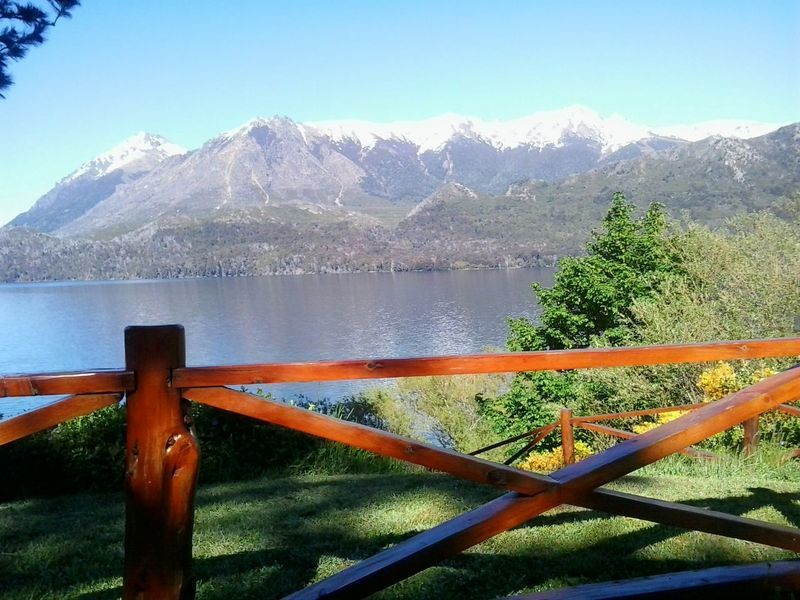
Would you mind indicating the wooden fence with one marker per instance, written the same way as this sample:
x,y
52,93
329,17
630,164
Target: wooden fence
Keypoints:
x,y
567,424
162,456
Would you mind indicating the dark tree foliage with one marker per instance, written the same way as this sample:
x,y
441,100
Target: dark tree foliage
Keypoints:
x,y
626,259
22,26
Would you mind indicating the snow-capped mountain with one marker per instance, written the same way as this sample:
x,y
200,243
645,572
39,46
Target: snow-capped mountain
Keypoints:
x,y
546,128
724,128
231,206
96,180
140,152
549,128
354,166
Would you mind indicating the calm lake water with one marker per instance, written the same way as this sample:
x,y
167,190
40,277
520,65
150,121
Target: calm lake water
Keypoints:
x,y
47,327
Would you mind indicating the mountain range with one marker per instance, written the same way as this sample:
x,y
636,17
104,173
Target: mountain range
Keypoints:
x,y
275,195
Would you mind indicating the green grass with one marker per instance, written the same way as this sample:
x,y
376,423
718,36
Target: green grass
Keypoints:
x,y
265,538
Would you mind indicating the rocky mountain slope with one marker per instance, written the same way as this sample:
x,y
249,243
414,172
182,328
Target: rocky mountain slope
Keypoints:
x,y
706,181
275,196
375,169
97,180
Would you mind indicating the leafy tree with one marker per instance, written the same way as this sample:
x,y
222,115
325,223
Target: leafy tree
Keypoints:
x,y
589,304
22,26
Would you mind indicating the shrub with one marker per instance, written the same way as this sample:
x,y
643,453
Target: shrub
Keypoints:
x,y
590,303
86,453
661,419
551,460
445,410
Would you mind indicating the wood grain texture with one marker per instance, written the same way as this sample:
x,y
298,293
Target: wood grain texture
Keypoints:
x,y
567,437
694,518
552,360
575,481
161,470
741,582
370,439
635,413
628,435
51,415
751,436
55,384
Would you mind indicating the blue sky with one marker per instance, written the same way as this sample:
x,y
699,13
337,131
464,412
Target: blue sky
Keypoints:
x,y
191,70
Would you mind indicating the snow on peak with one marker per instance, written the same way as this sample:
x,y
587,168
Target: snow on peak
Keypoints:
x,y
135,148
428,134
539,130
726,128
545,128
274,122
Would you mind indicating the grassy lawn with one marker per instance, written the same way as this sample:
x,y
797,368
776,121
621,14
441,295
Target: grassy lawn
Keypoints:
x,y
265,538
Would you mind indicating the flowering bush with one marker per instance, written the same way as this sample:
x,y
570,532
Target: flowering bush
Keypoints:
x,y
721,380
661,419
552,460
718,382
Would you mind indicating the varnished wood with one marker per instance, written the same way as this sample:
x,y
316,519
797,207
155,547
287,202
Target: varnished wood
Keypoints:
x,y
161,470
750,441
635,413
370,439
51,415
694,518
789,410
567,437
510,510
422,454
740,582
627,435
162,453
191,377
480,471
56,384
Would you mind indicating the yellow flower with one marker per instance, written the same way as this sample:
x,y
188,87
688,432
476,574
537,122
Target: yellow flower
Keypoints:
x,y
548,461
661,419
721,380
760,374
718,382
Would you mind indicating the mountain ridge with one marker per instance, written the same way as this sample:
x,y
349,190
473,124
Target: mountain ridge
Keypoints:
x,y
374,169
268,198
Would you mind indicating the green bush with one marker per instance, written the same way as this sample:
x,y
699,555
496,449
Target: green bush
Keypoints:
x,y
644,282
741,281
590,303
88,453
443,410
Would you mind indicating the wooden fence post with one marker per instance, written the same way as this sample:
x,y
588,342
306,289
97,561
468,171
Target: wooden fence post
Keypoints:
x,y
750,436
567,437
161,470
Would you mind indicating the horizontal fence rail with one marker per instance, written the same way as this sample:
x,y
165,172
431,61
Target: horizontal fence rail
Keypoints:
x,y
509,362
54,384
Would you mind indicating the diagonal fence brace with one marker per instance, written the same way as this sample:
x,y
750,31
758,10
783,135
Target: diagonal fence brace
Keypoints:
x,y
535,494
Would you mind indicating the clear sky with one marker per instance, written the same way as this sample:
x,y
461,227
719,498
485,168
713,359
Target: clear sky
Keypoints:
x,y
189,70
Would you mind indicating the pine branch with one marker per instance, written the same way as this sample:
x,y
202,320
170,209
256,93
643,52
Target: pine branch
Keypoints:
x,y
23,27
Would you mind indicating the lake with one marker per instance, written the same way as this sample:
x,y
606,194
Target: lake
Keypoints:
x,y
72,326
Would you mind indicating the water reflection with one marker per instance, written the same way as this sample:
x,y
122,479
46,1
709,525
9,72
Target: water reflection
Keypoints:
x,y
75,326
